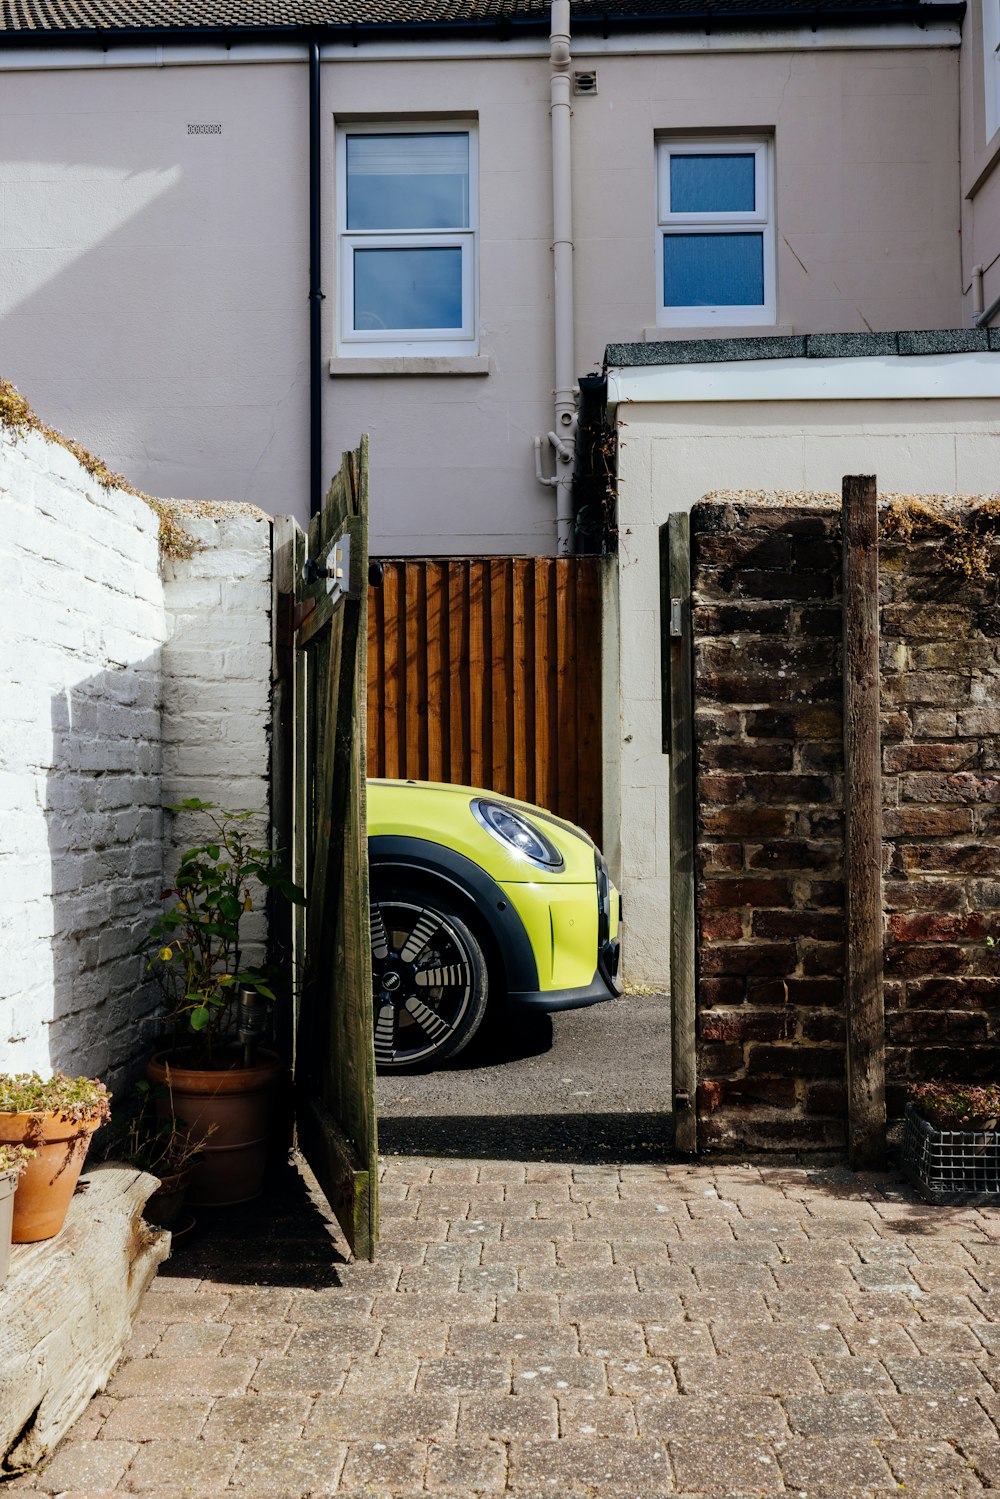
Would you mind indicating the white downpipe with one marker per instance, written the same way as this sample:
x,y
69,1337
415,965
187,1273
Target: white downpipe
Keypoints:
x,y
563,439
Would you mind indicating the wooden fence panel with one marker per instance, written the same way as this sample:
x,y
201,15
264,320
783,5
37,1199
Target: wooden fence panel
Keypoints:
x,y
486,672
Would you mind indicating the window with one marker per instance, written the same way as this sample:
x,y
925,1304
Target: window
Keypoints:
x,y
407,217
715,234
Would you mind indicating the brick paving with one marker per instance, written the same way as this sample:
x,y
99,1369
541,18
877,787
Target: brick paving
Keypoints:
x,y
546,1329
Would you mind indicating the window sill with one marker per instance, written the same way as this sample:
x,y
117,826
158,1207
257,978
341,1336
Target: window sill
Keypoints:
x,y
419,364
663,334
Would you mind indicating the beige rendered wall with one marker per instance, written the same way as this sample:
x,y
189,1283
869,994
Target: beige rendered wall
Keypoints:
x,y
672,455
153,284
980,175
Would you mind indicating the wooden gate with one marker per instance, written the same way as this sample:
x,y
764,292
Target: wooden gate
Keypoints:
x,y
487,672
321,584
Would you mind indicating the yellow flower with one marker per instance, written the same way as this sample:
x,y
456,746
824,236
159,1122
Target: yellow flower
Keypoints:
x,y
165,954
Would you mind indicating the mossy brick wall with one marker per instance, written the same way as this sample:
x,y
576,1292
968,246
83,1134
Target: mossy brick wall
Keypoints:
x,y
770,899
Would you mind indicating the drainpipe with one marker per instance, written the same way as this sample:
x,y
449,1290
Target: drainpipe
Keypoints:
x,y
315,291
563,439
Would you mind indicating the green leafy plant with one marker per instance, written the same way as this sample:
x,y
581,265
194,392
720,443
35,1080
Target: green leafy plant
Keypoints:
x,y
195,946
161,1146
15,1158
79,1100
957,1105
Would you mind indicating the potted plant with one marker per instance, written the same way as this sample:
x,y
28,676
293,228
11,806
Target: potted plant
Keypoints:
x,y
13,1159
55,1119
161,1146
951,1142
216,1006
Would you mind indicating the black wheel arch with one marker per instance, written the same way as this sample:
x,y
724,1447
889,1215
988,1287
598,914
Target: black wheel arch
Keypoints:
x,y
471,887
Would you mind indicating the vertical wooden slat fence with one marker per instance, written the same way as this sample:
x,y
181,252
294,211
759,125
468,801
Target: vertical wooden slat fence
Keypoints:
x,y
487,672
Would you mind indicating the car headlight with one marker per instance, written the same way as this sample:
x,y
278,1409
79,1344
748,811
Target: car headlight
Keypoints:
x,y
516,833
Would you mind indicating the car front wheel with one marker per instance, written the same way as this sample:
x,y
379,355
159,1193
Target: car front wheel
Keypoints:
x,y
429,979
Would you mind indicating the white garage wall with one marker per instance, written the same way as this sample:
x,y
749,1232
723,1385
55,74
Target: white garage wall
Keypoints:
x,y
671,455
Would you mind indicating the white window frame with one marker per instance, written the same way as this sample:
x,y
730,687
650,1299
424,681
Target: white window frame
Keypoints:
x,y
762,217
419,342
991,67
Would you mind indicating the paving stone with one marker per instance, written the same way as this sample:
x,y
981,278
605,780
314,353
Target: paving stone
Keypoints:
x,y
489,1278
935,1376
744,1375
554,1376
941,1417
378,1468
433,1307
717,1306
678,1339
836,1415
984,1458
258,1338
181,1306
295,1467
606,1280
420,1339
87,1465
181,1339
384,1372
527,1307
439,1277
315,1373
585,1465
779,1338
193,1467
463,1376
641,1376
945,1335
820,1461
247,1418
697,1416
149,1418
183,1376
464,1466
342,1339
375,1415
612,1339
728,1461
853,1373
511,1339
924,1462
596,1416
508,1417
267,1303
880,1340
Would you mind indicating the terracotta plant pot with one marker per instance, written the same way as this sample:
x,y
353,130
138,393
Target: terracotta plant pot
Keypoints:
x,y
47,1182
239,1101
164,1207
8,1182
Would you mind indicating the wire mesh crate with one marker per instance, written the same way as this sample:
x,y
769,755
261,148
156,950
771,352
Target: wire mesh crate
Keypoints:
x,y
951,1167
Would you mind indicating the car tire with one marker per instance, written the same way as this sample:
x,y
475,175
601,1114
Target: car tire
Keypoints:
x,y
419,937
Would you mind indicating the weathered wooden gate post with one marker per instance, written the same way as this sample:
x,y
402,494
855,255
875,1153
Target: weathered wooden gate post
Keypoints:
x,y
678,742
865,1010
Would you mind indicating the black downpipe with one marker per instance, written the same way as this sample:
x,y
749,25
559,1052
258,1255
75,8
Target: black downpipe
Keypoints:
x,y
315,291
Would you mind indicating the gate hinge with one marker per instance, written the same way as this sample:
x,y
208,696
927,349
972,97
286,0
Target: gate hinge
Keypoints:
x,y
677,616
336,569
682,1099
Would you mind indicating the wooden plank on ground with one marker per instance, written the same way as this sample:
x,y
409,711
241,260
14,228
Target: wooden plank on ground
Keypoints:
x,y
67,1310
676,643
866,1121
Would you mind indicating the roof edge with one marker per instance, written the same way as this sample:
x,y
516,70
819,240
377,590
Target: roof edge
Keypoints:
x,y
502,28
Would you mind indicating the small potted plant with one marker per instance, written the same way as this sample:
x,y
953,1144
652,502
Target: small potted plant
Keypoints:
x,y
13,1159
216,1005
951,1142
55,1119
161,1146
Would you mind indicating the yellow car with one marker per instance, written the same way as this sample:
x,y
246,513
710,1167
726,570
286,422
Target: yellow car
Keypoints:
x,y
475,896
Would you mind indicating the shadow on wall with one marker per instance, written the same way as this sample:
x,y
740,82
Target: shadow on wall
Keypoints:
x,y
104,827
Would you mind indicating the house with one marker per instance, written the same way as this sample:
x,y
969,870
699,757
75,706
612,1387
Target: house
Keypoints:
x,y
235,236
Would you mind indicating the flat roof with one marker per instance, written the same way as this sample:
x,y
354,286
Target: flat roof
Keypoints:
x,y
803,346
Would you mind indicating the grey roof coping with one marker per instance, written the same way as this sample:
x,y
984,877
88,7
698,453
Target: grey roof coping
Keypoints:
x,y
810,346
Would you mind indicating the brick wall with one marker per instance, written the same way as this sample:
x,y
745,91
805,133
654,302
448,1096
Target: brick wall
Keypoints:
x,y
767,625
119,690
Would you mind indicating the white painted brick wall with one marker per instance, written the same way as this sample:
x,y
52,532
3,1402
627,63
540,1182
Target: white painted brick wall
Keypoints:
x,y
80,848
217,685
120,690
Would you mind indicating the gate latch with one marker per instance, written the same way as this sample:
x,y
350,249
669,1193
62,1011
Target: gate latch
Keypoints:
x,y
677,616
336,569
